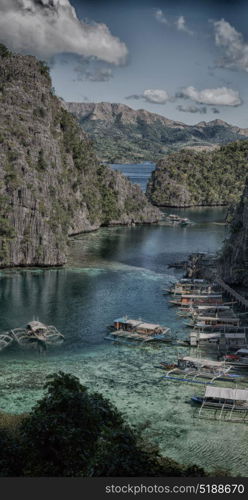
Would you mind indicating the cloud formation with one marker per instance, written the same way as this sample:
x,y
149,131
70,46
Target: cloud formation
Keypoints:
x,y
192,109
182,26
221,96
48,27
160,17
231,42
93,70
155,96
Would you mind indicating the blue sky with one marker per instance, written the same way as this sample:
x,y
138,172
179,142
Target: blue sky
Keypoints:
x,y
185,60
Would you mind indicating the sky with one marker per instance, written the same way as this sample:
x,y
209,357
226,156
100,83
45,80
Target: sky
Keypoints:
x,y
186,60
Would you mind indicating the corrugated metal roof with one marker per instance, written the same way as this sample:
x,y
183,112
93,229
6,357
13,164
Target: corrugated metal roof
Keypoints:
x,y
235,336
226,393
198,296
205,362
205,336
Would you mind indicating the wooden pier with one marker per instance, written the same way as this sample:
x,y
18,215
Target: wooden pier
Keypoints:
x,y
229,291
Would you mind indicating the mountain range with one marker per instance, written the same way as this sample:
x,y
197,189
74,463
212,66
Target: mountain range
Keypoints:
x,y
124,135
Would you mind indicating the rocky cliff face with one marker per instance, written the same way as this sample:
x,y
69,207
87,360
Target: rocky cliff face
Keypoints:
x,y
122,134
189,178
233,263
51,184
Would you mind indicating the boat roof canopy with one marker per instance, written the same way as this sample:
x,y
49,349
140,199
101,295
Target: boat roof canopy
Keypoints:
x,y
231,319
204,362
236,336
36,325
138,323
226,393
212,306
199,296
194,280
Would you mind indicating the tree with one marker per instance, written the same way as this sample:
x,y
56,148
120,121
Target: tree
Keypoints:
x,y
61,432
71,432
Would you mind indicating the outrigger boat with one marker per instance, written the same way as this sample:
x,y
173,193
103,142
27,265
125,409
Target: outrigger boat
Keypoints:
x,y
227,403
176,219
140,330
185,221
238,360
35,334
198,310
227,336
219,319
186,301
185,287
193,368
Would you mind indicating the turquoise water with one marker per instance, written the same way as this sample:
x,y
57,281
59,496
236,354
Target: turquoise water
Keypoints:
x,y
139,174
112,272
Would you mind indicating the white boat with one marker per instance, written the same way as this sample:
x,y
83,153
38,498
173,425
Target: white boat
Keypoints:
x,y
134,329
194,368
223,403
35,334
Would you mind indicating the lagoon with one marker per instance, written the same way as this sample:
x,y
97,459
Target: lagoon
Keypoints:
x,y
111,272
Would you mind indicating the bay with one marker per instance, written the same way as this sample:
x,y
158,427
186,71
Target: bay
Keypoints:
x,y
112,272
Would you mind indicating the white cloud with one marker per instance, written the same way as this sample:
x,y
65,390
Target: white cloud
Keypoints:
x,y
48,27
95,74
235,49
156,96
159,15
182,26
221,96
192,109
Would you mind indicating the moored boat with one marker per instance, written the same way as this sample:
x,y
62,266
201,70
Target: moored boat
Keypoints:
x,y
238,360
194,368
35,334
227,403
140,330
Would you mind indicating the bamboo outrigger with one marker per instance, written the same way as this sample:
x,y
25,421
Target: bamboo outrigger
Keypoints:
x,y
35,334
194,368
223,403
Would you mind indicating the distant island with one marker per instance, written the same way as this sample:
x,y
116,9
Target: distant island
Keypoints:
x,y
124,135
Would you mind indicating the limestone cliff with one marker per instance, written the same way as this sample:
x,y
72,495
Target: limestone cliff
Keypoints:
x,y
233,263
51,184
190,178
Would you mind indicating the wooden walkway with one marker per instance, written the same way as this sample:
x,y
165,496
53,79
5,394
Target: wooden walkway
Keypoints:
x,y
239,298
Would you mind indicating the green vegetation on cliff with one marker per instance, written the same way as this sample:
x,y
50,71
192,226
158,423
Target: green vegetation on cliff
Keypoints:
x,y
188,178
124,135
51,183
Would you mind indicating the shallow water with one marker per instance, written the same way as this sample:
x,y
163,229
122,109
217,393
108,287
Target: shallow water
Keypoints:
x,y
113,272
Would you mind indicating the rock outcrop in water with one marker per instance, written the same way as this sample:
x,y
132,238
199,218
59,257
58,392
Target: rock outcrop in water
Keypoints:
x,y
188,178
51,184
125,135
233,263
